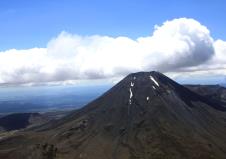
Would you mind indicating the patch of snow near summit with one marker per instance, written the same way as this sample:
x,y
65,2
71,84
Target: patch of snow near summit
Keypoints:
x,y
131,93
154,81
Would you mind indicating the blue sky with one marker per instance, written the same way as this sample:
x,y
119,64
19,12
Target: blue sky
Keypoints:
x,y
69,41
32,23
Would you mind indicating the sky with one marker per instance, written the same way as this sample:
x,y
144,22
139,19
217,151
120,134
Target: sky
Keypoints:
x,y
32,23
44,41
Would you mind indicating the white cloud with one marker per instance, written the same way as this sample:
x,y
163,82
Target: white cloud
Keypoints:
x,y
220,52
175,46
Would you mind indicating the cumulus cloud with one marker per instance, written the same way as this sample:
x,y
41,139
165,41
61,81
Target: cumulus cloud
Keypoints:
x,y
220,52
175,46
182,43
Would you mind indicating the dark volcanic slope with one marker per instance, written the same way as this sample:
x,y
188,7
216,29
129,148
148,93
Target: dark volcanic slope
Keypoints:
x,y
19,120
145,116
214,92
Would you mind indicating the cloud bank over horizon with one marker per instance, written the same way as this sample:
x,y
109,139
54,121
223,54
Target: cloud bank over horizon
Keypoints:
x,y
177,46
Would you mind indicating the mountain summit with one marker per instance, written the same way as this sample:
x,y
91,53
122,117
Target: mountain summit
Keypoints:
x,y
146,115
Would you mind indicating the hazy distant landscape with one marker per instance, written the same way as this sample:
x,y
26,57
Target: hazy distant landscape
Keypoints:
x,y
47,98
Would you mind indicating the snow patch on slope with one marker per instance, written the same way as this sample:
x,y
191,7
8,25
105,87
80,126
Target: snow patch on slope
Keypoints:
x,y
154,80
131,93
